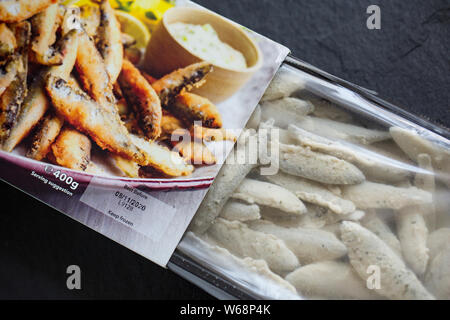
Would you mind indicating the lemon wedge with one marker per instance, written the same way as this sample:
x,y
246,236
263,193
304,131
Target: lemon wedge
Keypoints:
x,y
134,27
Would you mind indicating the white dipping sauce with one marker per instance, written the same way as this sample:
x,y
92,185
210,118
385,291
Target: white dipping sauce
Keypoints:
x,y
203,41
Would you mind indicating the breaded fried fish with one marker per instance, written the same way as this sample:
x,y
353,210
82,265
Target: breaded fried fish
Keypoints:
x,y
195,152
209,134
89,64
169,124
18,10
45,136
44,26
191,107
109,40
88,116
8,72
169,86
143,98
12,98
7,42
107,130
72,149
36,102
90,19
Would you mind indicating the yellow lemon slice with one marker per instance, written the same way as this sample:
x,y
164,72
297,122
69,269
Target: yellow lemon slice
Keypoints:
x,y
135,28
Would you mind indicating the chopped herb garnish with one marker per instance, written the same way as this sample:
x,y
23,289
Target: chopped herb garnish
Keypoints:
x,y
150,15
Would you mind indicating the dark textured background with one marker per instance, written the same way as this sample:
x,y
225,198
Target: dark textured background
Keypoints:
x,y
407,62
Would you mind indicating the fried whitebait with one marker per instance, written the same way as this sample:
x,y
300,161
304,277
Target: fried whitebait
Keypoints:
x,y
140,94
192,76
12,98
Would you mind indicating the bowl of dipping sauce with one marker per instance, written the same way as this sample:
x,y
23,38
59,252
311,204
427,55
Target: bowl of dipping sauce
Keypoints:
x,y
189,35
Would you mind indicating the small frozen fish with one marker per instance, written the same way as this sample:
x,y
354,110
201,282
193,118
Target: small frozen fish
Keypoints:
x,y
255,119
414,145
425,180
253,271
437,241
285,111
371,195
374,166
235,210
332,280
268,194
325,109
227,180
303,162
365,249
412,232
437,278
342,131
312,192
309,245
285,83
245,242
379,227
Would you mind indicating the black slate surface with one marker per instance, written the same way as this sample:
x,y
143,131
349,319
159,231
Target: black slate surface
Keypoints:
x,y
407,62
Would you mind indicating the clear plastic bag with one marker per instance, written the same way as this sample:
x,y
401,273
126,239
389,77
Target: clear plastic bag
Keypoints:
x,y
354,206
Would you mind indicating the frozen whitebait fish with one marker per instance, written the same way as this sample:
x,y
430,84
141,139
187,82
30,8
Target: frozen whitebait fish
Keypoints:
x,y
283,134
425,181
342,131
355,216
373,223
227,180
414,145
285,83
312,192
285,111
365,249
268,194
413,233
309,245
244,242
285,137
255,118
374,166
437,241
235,210
332,280
325,109
303,162
437,278
411,225
253,273
371,195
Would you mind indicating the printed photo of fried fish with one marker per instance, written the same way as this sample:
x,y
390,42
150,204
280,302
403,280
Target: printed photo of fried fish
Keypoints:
x,y
67,86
